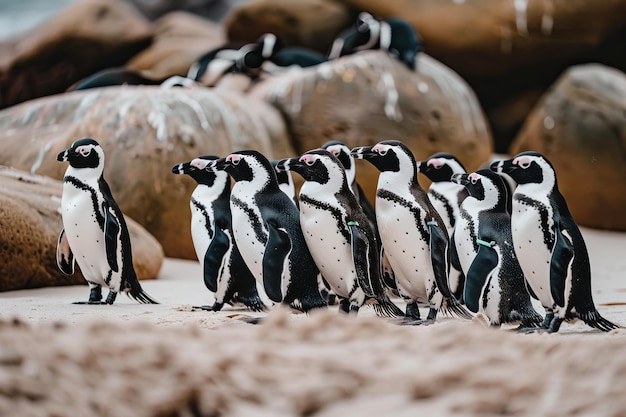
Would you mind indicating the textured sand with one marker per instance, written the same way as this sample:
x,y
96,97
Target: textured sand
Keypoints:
x,y
60,359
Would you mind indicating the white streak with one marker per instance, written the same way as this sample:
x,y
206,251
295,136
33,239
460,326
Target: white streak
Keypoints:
x,y
547,22
388,87
521,19
40,157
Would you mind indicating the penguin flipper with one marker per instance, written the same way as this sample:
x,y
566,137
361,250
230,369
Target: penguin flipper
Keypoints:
x,y
562,256
65,256
111,235
439,258
274,258
483,264
360,257
213,258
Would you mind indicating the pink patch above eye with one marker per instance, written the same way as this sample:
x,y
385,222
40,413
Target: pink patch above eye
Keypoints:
x,y
379,148
521,160
435,163
307,158
233,157
474,176
199,163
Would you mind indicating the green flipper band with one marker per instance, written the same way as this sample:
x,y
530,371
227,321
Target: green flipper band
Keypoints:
x,y
431,223
484,243
353,223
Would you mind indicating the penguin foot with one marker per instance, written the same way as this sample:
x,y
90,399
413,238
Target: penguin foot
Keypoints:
x,y
412,312
111,297
214,307
426,322
90,302
251,320
95,297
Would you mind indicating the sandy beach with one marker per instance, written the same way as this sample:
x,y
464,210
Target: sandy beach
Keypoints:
x,y
61,359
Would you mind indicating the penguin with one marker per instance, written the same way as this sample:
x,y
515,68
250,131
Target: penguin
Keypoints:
x,y
394,35
549,244
447,196
224,271
412,231
94,233
285,182
266,228
495,283
342,152
338,233
210,67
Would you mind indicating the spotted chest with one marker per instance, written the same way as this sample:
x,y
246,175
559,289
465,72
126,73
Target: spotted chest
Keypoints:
x,y
249,230
533,238
328,239
202,220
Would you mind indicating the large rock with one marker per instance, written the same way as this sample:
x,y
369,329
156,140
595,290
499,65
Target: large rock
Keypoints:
x,y
179,39
510,52
85,37
312,24
365,98
144,131
30,223
580,125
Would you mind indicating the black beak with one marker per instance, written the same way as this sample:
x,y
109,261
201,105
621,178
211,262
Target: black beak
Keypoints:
x,y
461,179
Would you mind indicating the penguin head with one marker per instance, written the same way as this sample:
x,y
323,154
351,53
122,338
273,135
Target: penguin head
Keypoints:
x,y
200,169
247,165
84,153
441,166
388,156
318,165
251,57
484,185
282,174
341,151
526,168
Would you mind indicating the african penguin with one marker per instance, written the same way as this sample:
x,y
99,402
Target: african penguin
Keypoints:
x,y
338,234
285,182
342,152
94,233
114,77
266,228
210,67
393,35
495,283
549,244
446,197
224,271
412,232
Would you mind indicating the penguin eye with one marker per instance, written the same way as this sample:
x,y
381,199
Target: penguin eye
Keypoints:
x,y
382,152
235,161
310,162
524,164
83,151
473,180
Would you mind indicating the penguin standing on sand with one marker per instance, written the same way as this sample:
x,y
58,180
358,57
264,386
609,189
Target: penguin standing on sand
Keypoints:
x,y
338,234
549,244
447,197
94,231
266,227
342,152
393,35
224,271
495,283
412,232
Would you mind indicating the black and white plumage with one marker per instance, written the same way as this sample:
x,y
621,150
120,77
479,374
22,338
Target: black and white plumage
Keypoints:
x,y
549,244
342,152
338,233
495,283
446,197
266,227
94,235
285,183
224,272
393,35
124,76
412,231
210,67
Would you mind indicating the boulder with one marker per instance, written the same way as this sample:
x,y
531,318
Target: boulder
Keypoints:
x,y
179,39
364,98
83,38
154,9
312,24
580,126
144,131
30,223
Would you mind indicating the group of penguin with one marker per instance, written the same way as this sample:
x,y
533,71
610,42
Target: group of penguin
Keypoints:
x,y
485,241
269,54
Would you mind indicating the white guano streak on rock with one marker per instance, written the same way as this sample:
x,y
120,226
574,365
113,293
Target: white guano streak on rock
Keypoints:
x,y
388,87
157,117
40,156
456,92
521,16
196,107
230,117
85,105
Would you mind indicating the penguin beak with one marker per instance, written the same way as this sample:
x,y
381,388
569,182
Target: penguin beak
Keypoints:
x,y
409,58
461,179
63,155
283,165
219,164
503,166
180,168
362,152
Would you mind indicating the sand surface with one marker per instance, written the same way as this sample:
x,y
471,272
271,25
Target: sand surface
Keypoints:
x,y
60,359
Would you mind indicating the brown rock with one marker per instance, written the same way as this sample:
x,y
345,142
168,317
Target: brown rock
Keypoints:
x,y
580,126
179,39
312,24
144,132
30,223
365,98
85,37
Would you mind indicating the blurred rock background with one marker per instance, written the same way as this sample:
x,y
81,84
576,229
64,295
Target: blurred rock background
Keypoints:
x,y
497,76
